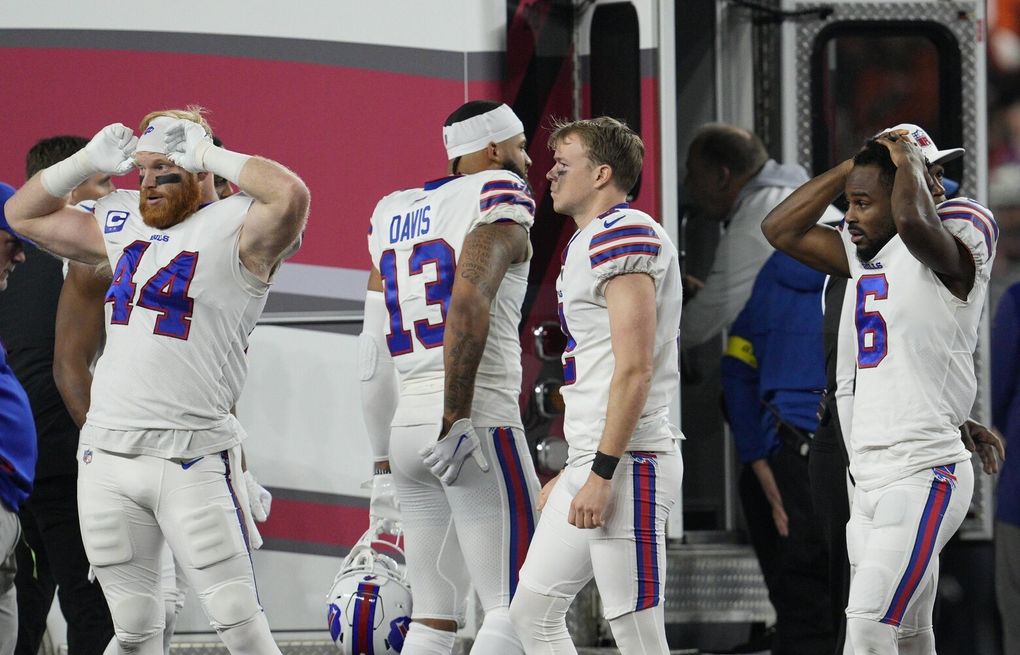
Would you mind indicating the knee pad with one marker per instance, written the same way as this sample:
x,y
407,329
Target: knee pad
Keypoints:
x,y
920,642
870,637
137,619
869,589
106,539
230,605
150,646
538,618
211,535
251,637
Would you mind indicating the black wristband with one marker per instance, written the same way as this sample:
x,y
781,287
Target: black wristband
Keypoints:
x,y
604,465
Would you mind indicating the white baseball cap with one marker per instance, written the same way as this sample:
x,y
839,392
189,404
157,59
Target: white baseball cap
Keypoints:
x,y
928,147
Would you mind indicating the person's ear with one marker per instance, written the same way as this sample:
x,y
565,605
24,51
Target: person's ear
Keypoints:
x,y
603,175
723,177
492,153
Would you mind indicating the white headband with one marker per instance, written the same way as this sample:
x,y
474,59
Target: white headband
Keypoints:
x,y
473,134
153,139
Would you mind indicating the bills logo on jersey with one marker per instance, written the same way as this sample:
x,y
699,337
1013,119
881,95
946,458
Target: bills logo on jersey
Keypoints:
x,y
643,457
945,474
87,456
115,220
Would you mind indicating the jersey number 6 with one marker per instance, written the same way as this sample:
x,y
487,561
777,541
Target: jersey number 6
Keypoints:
x,y
872,333
165,293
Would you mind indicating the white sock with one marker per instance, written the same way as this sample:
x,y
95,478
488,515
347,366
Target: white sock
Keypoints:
x,y
919,643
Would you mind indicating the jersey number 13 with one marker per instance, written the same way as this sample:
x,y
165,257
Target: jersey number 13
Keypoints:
x,y
443,259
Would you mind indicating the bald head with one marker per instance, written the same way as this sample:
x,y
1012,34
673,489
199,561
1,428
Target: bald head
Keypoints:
x,y
718,144
720,160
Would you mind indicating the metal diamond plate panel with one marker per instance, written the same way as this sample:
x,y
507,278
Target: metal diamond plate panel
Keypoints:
x,y
286,647
955,16
715,584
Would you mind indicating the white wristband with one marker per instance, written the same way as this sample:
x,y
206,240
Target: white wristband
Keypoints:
x,y
61,178
222,162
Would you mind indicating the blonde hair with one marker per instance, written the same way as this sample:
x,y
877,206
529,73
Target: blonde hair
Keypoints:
x,y
194,113
607,141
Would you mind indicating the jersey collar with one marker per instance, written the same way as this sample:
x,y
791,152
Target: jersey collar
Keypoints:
x,y
435,184
622,205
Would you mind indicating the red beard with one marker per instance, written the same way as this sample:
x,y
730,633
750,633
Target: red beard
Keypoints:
x,y
179,202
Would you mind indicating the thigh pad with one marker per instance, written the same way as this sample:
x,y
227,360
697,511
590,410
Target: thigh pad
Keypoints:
x,y
106,538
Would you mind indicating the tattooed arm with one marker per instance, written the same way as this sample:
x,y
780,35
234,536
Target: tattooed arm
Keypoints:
x,y
488,252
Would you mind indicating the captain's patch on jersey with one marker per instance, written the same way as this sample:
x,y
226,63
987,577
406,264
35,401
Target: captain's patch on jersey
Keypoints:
x,y
115,220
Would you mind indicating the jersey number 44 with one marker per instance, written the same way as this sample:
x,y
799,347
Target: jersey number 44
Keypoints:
x,y
165,293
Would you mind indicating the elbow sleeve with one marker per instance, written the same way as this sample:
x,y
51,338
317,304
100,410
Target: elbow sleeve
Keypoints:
x,y
379,388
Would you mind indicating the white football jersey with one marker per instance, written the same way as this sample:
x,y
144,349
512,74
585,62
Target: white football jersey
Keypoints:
x,y
415,240
619,241
914,346
178,315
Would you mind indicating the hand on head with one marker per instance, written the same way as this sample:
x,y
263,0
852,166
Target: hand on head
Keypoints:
x,y
112,149
186,144
902,148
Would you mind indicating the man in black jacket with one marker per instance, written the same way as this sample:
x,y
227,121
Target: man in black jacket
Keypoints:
x,y
50,556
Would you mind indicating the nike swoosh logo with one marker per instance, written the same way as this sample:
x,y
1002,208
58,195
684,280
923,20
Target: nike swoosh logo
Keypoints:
x,y
188,465
612,223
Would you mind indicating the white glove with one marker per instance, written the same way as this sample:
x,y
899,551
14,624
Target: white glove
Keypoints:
x,y
186,145
446,457
384,507
259,499
111,150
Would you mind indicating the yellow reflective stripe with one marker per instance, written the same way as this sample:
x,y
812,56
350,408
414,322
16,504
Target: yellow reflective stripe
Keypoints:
x,y
742,349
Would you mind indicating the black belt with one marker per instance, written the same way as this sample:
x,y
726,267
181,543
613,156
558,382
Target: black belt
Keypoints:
x,y
797,440
794,438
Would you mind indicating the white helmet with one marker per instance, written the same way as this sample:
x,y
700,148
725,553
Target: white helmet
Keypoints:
x,y
370,601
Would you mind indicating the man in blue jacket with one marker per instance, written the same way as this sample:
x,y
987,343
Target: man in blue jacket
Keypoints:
x,y
17,449
1006,417
773,376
